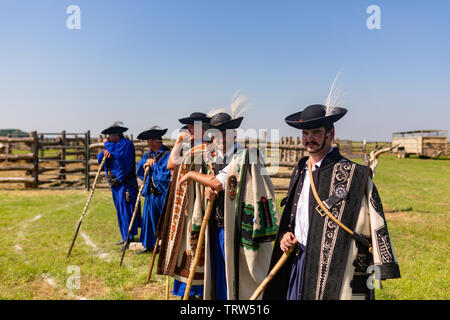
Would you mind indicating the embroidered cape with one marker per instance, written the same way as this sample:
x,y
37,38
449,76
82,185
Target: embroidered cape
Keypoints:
x,y
183,214
251,222
335,266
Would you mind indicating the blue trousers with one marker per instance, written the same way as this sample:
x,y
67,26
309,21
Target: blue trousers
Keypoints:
x,y
180,287
219,264
125,210
150,217
295,277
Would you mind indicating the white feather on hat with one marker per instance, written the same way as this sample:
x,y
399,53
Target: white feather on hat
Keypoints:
x,y
239,105
117,124
334,97
216,111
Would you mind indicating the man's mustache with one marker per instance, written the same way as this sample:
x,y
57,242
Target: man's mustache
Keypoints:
x,y
311,143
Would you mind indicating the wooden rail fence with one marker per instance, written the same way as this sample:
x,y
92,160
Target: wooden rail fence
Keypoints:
x,y
26,162
69,160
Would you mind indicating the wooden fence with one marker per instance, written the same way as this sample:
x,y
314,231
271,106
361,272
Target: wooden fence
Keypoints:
x,y
22,161
69,160
54,160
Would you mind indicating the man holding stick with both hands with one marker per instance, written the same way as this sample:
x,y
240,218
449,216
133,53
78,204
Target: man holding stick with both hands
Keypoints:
x,y
120,169
156,186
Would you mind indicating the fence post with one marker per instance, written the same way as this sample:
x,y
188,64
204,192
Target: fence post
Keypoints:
x,y
63,156
87,156
285,151
8,146
75,144
35,151
42,149
291,152
365,156
297,152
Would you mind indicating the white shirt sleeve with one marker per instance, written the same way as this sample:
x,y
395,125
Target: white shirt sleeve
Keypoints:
x,y
222,176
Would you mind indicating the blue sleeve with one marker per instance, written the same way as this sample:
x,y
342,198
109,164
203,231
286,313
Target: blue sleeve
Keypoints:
x,y
140,167
161,175
100,157
106,165
122,158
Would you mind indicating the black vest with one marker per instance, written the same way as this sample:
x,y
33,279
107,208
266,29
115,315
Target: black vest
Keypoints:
x,y
219,204
277,288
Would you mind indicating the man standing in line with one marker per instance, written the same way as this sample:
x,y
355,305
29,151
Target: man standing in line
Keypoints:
x,y
156,186
120,167
183,213
328,261
244,220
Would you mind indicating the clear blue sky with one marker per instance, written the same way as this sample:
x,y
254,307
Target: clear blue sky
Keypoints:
x,y
152,62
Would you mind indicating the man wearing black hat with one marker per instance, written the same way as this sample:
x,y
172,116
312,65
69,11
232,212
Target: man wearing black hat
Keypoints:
x,y
156,186
333,218
183,210
244,220
192,134
222,128
120,167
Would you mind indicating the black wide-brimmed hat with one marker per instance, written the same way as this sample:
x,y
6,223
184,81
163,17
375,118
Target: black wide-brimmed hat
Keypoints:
x,y
117,127
153,133
315,116
223,121
195,116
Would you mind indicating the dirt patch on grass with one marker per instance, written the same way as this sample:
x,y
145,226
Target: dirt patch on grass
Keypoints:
x,y
41,288
45,288
92,288
419,218
404,216
155,290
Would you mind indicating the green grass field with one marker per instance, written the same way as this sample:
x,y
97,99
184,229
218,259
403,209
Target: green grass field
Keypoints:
x,y
36,228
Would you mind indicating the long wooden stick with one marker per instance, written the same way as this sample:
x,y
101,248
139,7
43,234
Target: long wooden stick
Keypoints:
x,y
167,287
198,250
272,273
86,206
153,260
136,206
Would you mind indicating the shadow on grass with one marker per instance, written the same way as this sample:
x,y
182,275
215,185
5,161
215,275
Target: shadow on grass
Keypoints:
x,y
408,209
441,158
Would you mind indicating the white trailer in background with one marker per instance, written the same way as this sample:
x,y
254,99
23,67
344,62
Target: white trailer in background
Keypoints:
x,y
423,143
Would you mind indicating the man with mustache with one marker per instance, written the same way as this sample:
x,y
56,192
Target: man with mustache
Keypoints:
x,y
329,262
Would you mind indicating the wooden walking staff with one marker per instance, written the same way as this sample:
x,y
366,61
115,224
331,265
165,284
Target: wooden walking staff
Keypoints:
x,y
138,200
155,249
272,273
86,206
198,250
167,287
